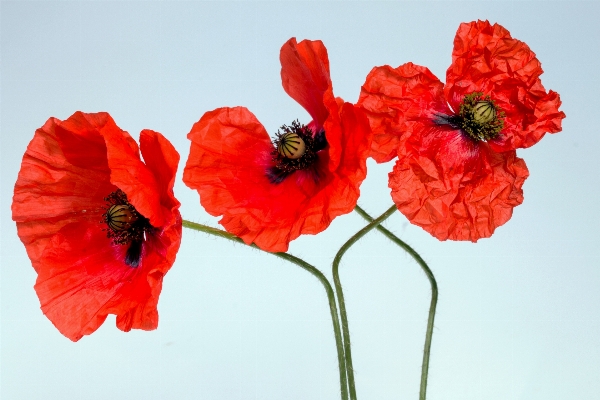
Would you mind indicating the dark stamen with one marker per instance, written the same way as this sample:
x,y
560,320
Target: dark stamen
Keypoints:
x,y
295,149
125,226
479,118
134,254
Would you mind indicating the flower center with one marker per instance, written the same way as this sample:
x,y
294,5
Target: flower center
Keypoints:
x,y
479,117
296,148
125,226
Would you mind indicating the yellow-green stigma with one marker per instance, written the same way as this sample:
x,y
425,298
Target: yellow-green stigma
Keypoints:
x,y
480,118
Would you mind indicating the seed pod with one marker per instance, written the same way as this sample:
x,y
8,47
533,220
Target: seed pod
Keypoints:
x,y
119,217
484,112
291,146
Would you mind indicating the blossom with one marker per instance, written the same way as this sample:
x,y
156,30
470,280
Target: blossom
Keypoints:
x,y
270,193
457,175
100,226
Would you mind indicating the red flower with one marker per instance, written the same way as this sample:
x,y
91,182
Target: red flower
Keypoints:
x,y
100,226
271,194
457,174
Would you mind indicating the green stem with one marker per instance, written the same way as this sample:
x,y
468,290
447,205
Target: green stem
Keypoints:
x,y
340,293
306,266
432,305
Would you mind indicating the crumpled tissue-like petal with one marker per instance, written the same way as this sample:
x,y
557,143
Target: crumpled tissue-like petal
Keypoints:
x,y
394,99
305,76
453,188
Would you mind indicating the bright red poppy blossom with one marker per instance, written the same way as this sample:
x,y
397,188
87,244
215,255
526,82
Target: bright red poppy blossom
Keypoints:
x,y
457,174
271,193
101,226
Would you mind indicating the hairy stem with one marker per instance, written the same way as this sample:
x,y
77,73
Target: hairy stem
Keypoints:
x,y
306,266
432,305
340,293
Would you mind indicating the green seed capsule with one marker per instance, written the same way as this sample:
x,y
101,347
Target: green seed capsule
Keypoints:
x,y
119,217
291,146
484,112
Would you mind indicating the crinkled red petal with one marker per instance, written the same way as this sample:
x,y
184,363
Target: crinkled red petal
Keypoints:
x,y
161,159
305,76
56,186
135,305
133,177
487,59
82,272
394,99
136,308
83,280
454,188
58,205
229,157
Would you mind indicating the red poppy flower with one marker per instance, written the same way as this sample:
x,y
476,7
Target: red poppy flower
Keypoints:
x,y
100,226
457,174
269,193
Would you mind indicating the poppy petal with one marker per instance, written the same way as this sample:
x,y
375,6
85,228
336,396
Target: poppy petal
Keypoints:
x,y
224,142
305,76
453,188
394,99
80,277
132,176
161,159
52,190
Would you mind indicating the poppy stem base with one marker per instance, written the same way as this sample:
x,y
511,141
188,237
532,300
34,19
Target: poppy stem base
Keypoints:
x,y
340,294
314,271
432,305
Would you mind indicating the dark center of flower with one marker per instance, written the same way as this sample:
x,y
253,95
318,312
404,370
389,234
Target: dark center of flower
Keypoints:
x,y
296,148
125,226
478,117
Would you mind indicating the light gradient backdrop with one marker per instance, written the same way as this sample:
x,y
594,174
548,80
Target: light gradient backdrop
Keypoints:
x,y
518,315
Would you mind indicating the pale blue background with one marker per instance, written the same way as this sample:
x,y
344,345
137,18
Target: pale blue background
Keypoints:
x,y
518,315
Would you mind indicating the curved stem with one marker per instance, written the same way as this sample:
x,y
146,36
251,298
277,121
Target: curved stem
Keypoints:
x,y
306,266
432,305
340,293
